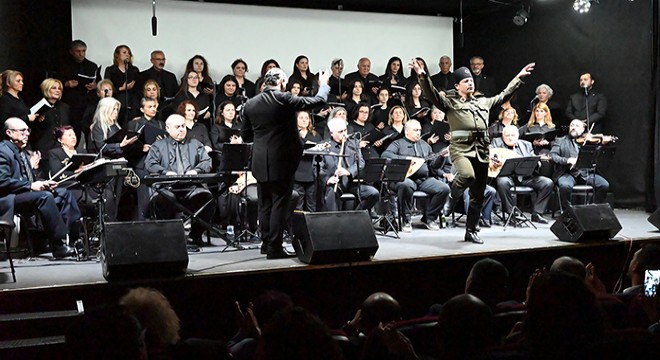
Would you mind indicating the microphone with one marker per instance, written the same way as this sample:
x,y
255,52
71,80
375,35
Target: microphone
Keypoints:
x,y
535,98
154,20
106,91
126,61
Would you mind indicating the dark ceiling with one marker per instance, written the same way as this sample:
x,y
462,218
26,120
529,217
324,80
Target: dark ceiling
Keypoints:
x,y
449,8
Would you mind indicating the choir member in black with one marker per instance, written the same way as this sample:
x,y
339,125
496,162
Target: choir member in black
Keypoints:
x,y
395,126
104,89
380,112
343,170
42,138
124,75
239,67
413,76
79,76
137,152
24,194
194,129
336,81
189,91
508,116
267,65
415,103
173,156
166,80
227,91
540,122
484,84
544,96
357,96
301,72
225,117
444,80
362,124
594,114
199,65
294,87
422,180
393,73
104,126
11,104
437,141
151,90
305,177
369,80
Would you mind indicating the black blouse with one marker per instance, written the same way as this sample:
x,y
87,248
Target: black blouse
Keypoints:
x,y
42,137
11,106
306,171
200,132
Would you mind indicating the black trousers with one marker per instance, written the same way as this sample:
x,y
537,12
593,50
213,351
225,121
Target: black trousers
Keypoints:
x,y
58,211
274,210
163,205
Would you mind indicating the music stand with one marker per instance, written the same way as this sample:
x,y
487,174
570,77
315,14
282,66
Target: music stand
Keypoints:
x,y
235,158
523,167
386,171
592,157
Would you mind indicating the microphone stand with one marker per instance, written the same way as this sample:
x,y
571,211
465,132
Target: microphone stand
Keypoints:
x,y
126,67
586,97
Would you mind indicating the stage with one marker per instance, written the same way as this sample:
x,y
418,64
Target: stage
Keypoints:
x,y
421,245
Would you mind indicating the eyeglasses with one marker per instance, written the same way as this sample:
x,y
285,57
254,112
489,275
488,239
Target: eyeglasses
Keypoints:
x,y
24,131
195,77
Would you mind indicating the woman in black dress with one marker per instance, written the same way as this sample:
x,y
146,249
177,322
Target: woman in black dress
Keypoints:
x,y
199,65
239,68
43,138
123,75
195,130
225,118
305,177
267,65
357,96
301,72
418,107
227,91
393,73
189,91
11,104
362,123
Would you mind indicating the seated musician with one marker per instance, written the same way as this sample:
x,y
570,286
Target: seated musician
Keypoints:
x,y
564,154
343,170
407,147
175,156
541,184
22,192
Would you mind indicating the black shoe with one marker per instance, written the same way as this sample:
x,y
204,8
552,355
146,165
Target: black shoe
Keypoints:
x,y
264,249
63,251
472,236
197,240
484,223
281,254
537,218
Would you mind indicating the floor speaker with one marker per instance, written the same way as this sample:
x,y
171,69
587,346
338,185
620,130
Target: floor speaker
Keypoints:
x,y
333,237
586,222
655,218
144,249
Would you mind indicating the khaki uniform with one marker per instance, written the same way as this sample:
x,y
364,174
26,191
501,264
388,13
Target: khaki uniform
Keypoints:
x,y
468,149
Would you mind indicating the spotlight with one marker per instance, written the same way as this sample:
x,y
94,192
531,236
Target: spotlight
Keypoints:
x,y
521,17
583,6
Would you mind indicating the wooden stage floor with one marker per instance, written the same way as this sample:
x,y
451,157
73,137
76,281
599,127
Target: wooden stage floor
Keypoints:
x,y
421,244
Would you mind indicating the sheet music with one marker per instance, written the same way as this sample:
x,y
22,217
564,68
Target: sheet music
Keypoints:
x,y
43,102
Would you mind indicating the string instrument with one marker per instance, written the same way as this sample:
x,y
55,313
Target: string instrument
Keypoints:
x,y
417,162
497,158
244,180
595,139
339,161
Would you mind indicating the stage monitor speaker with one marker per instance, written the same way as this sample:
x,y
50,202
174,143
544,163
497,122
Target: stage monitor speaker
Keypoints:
x,y
333,237
586,222
655,218
142,249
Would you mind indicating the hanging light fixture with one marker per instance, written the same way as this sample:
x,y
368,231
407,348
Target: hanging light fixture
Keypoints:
x,y
583,6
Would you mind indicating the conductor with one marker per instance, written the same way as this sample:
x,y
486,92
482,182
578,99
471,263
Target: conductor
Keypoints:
x,y
269,120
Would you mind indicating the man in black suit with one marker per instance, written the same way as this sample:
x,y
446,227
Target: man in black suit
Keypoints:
x,y
370,81
564,154
165,79
541,184
592,115
269,121
484,84
79,76
444,80
22,192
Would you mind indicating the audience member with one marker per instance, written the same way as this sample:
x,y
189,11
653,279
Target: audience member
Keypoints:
x,y
464,328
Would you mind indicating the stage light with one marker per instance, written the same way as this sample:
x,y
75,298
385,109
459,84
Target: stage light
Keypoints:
x,y
521,17
583,6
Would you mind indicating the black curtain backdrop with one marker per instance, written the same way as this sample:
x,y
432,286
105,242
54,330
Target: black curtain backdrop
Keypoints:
x,y
614,41
34,39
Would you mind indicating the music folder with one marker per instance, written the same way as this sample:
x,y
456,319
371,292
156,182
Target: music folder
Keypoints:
x,y
149,134
119,136
439,128
41,108
373,135
423,111
547,135
78,160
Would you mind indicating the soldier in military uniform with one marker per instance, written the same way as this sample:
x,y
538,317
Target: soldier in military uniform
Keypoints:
x,y
468,122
